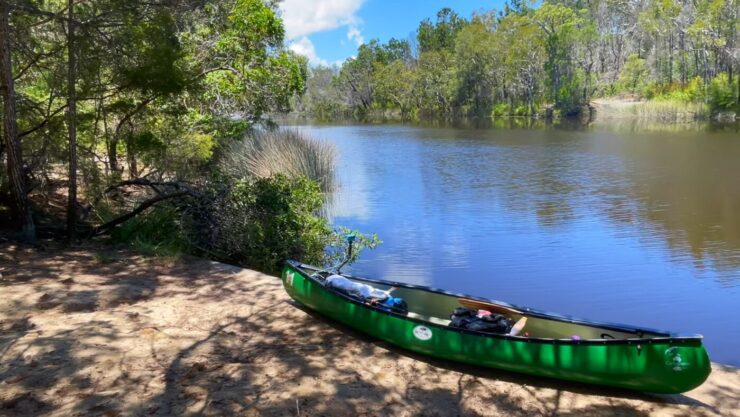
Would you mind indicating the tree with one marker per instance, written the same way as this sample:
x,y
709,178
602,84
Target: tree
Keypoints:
x,y
478,60
441,34
633,76
12,142
394,87
561,26
436,84
72,121
523,63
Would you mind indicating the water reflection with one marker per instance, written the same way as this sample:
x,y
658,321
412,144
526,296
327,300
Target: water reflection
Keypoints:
x,y
578,221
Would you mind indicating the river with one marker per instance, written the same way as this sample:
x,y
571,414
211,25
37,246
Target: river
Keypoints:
x,y
617,224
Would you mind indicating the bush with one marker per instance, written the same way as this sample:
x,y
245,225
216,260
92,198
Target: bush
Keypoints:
x,y
262,222
500,110
158,232
723,93
283,152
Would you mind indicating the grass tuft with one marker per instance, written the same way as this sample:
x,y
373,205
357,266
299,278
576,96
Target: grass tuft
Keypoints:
x,y
284,151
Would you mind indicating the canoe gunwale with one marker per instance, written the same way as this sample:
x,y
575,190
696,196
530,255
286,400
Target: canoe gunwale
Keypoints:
x,y
669,338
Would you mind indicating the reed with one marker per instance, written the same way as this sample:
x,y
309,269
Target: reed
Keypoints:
x,y
671,111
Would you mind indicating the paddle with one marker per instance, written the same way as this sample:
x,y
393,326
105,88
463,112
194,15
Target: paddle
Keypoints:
x,y
482,305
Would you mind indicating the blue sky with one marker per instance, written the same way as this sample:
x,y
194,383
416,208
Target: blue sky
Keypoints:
x,y
329,31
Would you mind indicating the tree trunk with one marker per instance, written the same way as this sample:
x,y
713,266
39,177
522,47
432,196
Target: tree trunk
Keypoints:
x,y
113,156
21,208
133,170
72,122
670,58
682,47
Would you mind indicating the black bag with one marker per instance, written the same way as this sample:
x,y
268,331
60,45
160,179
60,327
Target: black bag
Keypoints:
x,y
464,318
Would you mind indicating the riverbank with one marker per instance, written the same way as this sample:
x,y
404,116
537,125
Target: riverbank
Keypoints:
x,y
103,332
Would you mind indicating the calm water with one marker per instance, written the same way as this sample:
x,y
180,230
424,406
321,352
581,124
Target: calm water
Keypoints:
x,y
622,226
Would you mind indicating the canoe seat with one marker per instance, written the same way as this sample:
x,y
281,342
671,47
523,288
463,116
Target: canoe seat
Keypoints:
x,y
431,319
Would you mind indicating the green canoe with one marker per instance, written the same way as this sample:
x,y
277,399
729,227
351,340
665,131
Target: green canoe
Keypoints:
x,y
549,345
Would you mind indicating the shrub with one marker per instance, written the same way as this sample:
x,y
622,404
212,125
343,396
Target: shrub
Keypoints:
x,y
723,93
261,222
285,152
501,109
695,90
158,232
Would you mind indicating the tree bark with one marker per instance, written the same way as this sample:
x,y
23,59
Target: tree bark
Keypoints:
x,y
21,208
72,122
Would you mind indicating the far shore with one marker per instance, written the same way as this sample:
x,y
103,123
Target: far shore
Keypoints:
x,y
600,112
96,331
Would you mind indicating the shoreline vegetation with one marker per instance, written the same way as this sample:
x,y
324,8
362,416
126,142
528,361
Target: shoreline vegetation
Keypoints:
x,y
118,117
677,60
148,126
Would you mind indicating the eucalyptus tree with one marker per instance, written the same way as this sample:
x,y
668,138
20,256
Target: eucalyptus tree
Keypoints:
x,y
478,60
563,28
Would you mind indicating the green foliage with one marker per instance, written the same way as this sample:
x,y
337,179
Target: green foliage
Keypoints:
x,y
723,94
501,109
265,221
441,34
338,245
634,75
156,67
552,55
692,92
157,232
161,89
436,83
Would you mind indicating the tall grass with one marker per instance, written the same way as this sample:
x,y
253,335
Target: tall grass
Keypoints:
x,y
657,110
284,151
671,111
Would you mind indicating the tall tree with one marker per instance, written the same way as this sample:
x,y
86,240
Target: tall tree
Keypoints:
x,y
21,207
72,121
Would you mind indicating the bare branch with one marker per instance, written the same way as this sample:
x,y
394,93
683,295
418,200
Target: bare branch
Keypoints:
x,y
104,228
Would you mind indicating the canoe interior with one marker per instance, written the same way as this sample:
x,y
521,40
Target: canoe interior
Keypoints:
x,y
436,307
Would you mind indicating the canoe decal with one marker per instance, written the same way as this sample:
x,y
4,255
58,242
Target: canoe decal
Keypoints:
x,y
674,360
289,278
422,333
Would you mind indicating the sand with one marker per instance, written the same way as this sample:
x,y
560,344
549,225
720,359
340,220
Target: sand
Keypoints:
x,y
94,331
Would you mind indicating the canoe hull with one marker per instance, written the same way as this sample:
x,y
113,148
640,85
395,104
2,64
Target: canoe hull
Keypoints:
x,y
661,366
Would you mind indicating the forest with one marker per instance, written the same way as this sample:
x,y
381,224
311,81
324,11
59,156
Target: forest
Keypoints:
x,y
150,122
548,60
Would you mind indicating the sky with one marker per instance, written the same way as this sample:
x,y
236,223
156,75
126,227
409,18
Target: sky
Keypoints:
x,y
329,31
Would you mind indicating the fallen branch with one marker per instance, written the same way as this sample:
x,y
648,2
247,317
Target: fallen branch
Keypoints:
x,y
99,230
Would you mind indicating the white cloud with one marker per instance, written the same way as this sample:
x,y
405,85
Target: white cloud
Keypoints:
x,y
304,17
304,46
354,34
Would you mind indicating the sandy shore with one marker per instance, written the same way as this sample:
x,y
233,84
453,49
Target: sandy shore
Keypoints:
x,y
106,333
